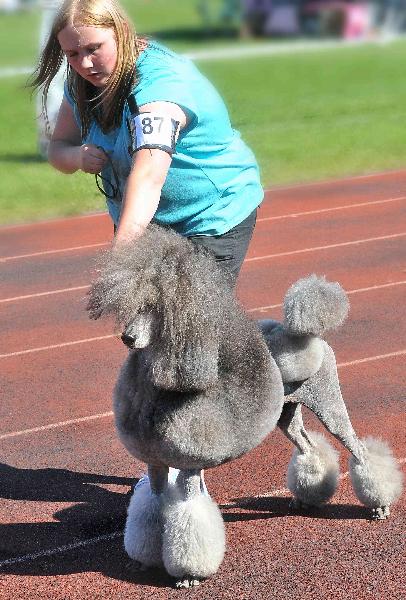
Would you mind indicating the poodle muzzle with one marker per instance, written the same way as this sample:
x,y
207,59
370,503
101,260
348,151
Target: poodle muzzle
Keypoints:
x,y
137,334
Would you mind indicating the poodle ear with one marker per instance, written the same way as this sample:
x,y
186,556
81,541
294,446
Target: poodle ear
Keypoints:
x,y
194,368
94,304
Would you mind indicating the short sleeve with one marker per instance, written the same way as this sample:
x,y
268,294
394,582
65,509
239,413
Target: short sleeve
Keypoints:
x,y
165,80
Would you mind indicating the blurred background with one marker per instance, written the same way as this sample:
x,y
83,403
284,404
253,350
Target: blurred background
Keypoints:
x,y
316,87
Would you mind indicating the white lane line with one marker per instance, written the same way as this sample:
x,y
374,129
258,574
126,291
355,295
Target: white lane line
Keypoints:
x,y
44,252
268,192
75,545
251,310
325,210
371,288
50,293
324,182
55,221
86,287
13,434
348,292
117,534
360,241
62,345
370,359
259,308
329,246
259,220
245,502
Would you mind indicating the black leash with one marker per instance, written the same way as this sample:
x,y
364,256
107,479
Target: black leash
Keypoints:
x,y
115,187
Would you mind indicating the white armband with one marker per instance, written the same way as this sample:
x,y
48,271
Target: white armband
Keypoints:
x,y
153,130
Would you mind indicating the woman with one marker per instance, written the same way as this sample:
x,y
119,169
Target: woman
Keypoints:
x,y
178,162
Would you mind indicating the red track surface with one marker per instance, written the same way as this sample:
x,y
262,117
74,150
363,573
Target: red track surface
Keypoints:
x,y
64,477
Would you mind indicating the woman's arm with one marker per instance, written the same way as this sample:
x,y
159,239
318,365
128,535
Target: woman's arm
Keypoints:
x,y
146,179
66,151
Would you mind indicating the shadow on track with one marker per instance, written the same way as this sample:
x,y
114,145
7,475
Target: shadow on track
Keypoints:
x,y
92,511
269,507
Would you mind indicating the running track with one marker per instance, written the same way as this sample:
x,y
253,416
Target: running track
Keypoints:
x,y
64,477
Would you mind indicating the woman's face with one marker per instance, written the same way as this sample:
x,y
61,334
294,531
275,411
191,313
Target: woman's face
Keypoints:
x,y
90,51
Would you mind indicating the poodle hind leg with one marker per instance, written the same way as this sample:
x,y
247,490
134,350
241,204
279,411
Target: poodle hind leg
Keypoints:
x,y
375,474
313,470
193,531
143,529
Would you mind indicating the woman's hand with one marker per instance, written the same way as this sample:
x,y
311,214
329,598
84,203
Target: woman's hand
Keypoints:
x,y
92,159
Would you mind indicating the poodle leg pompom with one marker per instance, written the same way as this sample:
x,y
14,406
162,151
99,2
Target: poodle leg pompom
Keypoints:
x,y
193,531
377,479
143,535
313,475
143,529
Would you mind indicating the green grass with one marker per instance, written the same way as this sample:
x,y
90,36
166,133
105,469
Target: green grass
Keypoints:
x,y
307,117
322,114
30,188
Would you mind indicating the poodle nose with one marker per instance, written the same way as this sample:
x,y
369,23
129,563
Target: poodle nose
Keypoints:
x,y
128,340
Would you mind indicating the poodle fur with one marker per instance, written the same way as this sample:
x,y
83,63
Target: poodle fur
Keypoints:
x,y
314,306
193,537
313,476
297,357
143,529
204,384
377,481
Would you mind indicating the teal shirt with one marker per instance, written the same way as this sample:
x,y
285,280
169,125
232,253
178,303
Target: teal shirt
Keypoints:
x,y
213,182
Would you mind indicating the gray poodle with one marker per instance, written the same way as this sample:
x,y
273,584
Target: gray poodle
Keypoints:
x,y
204,384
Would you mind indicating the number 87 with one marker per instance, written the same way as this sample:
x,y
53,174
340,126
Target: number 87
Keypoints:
x,y
147,127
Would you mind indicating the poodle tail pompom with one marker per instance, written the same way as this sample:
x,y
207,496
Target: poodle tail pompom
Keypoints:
x,y
314,305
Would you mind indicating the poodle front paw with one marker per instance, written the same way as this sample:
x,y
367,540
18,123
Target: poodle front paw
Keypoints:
x,y
187,582
380,513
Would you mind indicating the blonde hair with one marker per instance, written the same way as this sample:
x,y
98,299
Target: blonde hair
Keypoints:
x,y
106,14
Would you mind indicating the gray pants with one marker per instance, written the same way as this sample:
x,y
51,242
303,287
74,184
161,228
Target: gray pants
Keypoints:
x,y
230,248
